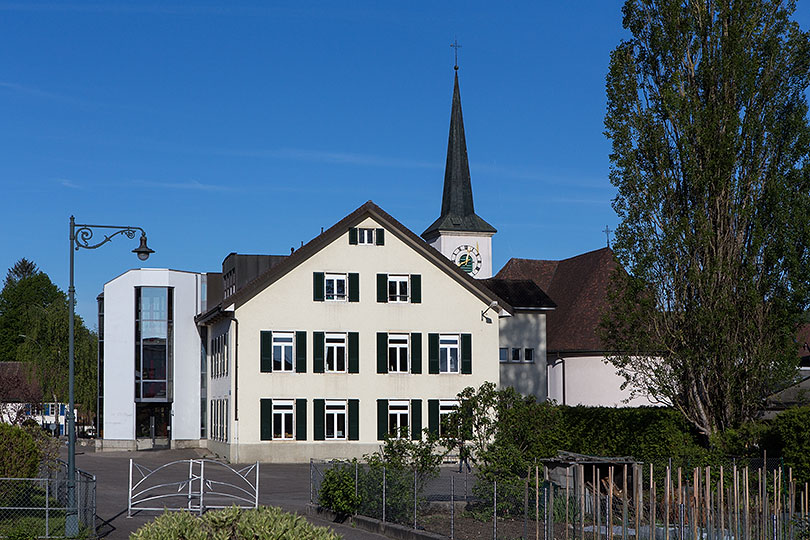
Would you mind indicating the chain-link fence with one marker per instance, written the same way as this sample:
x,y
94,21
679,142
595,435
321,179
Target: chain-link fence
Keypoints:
x,y
40,506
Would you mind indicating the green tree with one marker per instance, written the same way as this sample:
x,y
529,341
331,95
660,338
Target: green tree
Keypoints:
x,y
707,114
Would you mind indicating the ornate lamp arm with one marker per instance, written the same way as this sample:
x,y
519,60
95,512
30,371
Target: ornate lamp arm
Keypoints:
x,y
83,235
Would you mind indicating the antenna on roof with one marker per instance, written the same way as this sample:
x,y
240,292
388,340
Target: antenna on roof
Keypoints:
x,y
607,232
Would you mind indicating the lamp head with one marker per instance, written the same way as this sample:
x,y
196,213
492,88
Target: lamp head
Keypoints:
x,y
143,251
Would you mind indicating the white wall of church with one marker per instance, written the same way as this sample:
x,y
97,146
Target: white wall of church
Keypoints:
x,y
588,380
447,243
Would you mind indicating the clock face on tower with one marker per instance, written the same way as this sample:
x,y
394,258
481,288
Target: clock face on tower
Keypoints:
x,y
467,258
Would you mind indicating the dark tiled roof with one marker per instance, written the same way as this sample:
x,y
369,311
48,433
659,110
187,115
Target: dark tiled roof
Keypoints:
x,y
579,287
458,212
521,293
18,383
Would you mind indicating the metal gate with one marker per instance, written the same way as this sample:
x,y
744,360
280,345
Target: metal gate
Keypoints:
x,y
195,485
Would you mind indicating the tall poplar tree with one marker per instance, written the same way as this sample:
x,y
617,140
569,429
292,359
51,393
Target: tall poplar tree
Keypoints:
x,y
707,114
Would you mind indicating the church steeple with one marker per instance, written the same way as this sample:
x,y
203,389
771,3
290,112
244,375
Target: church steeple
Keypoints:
x,y
458,212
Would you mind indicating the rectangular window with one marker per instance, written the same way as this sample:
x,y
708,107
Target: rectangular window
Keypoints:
x,y
283,351
503,354
153,343
336,353
335,287
365,236
283,416
398,419
397,288
398,353
446,408
448,353
335,420
528,355
515,355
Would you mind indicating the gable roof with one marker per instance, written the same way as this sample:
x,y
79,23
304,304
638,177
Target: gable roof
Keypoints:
x,y
522,294
458,212
391,225
579,286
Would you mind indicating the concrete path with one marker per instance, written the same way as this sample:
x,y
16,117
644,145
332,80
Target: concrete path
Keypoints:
x,y
283,485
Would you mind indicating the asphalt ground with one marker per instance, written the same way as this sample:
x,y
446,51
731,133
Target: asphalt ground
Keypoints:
x,y
282,485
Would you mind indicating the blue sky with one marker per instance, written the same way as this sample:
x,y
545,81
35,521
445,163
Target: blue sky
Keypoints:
x,y
248,126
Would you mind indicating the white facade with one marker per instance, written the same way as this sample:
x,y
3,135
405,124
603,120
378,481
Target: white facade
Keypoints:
x,y
590,381
519,334
455,244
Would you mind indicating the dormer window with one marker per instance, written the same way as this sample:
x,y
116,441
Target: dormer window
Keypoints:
x,y
365,236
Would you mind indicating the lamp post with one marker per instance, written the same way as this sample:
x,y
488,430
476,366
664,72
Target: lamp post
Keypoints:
x,y
81,236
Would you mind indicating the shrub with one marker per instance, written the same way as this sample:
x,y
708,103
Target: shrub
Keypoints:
x,y
19,454
338,490
790,431
234,523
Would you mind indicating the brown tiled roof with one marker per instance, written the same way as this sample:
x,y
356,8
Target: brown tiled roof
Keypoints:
x,y
18,384
521,293
579,288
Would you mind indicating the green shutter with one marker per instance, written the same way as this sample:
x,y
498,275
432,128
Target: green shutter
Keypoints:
x,y
353,236
466,354
318,418
416,419
380,234
266,419
354,420
433,353
300,419
416,353
382,352
382,288
416,289
433,416
354,287
317,352
266,354
300,352
354,352
382,419
317,286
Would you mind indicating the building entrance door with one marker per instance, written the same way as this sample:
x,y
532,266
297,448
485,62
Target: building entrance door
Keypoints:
x,y
153,425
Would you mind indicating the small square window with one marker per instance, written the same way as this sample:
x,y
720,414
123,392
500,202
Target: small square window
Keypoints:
x,y
335,353
503,354
283,419
335,422
398,418
335,287
448,353
397,289
282,351
398,353
515,355
365,236
528,355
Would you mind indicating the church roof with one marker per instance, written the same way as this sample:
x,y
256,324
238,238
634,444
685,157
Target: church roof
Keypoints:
x,y
523,294
458,213
579,287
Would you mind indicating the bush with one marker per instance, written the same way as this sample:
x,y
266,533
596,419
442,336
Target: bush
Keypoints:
x,y
338,490
234,523
19,454
790,434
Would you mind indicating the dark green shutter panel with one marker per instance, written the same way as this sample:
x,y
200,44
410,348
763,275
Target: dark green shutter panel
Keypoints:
x,y
433,353
266,354
354,287
382,352
300,352
353,236
416,289
354,352
318,418
300,419
382,419
266,419
433,416
382,288
317,352
380,234
317,286
354,420
416,419
466,353
416,353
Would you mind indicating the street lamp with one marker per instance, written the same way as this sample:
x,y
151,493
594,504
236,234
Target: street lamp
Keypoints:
x,y
81,236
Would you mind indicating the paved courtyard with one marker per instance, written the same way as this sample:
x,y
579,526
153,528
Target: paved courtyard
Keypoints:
x,y
283,485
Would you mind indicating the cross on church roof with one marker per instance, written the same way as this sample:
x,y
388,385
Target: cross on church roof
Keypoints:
x,y
607,232
455,46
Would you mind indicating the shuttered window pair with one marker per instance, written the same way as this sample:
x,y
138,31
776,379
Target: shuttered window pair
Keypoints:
x,y
335,352
283,419
398,417
399,353
450,353
330,287
399,288
439,414
366,236
327,416
283,351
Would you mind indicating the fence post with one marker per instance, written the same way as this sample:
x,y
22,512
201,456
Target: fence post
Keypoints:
x,y
47,510
383,501
414,498
129,491
452,507
202,486
256,501
311,479
494,510
356,484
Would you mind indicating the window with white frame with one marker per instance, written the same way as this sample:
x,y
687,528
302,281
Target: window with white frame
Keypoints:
x,y
335,353
397,289
446,408
528,355
503,354
365,236
398,353
283,419
398,418
335,287
516,354
335,425
283,351
448,353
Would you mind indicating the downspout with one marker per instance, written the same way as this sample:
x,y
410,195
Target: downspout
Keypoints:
x,y
236,387
563,378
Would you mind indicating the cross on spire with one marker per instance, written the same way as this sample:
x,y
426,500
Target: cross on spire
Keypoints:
x,y
607,232
455,46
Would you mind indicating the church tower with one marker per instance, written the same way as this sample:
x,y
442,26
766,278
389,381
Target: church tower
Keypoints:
x,y
459,233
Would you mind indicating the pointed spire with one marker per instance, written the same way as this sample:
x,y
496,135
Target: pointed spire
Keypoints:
x,y
458,212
